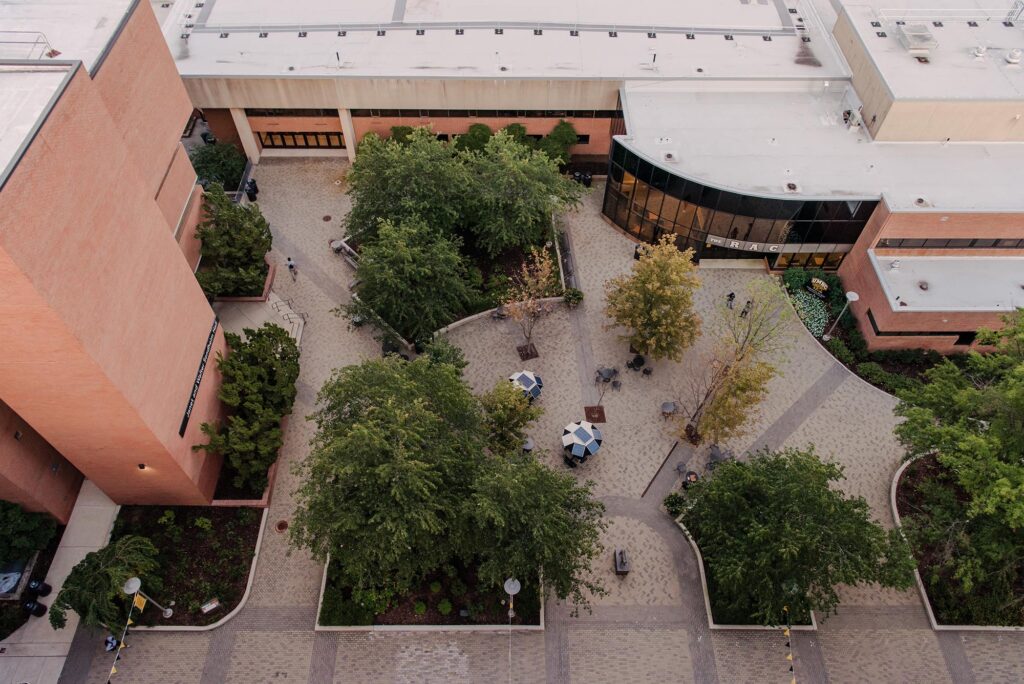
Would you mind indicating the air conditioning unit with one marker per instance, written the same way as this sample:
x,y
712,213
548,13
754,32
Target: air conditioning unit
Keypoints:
x,y
670,157
917,39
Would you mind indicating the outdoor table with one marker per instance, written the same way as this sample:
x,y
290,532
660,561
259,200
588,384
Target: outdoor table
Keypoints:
x,y
607,373
668,408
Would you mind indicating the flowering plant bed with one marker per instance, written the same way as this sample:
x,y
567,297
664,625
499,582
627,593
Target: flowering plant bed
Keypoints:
x,y
205,553
440,600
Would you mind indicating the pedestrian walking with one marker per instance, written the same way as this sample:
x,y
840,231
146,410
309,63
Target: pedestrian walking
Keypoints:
x,y
730,299
292,268
110,643
746,308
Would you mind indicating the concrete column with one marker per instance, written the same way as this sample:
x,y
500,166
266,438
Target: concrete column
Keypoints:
x,y
245,134
349,131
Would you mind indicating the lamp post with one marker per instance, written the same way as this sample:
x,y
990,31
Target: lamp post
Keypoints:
x,y
134,586
851,296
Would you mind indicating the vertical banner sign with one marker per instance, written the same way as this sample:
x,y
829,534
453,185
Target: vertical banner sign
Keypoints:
x,y
199,377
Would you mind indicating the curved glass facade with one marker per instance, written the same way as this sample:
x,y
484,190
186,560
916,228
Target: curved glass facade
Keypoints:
x,y
649,202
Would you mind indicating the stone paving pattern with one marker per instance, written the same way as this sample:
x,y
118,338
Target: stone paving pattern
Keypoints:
x,y
652,625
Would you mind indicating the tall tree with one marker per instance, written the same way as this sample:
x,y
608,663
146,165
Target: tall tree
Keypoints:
x,y
475,139
411,277
558,142
419,179
513,193
93,588
655,302
235,240
774,532
723,395
221,163
24,532
534,282
507,412
391,465
529,520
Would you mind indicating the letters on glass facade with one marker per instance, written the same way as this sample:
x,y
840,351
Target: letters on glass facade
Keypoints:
x,y
649,202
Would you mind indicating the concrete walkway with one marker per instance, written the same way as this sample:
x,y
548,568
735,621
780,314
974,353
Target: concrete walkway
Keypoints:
x,y
35,653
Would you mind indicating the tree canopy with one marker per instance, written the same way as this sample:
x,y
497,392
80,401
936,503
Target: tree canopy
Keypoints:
x,y
775,533
221,163
655,302
413,278
235,240
506,413
402,480
23,532
94,587
970,516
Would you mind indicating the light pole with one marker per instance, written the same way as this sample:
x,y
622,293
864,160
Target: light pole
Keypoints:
x,y
851,296
512,587
134,586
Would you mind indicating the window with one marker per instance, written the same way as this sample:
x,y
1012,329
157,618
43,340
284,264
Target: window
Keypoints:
x,y
333,113
302,140
950,243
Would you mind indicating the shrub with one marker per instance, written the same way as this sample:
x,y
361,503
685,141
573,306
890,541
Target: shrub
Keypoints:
x,y
475,139
556,144
23,532
795,279
401,134
221,163
675,504
435,587
235,240
259,375
925,358
856,343
890,382
812,312
337,611
458,587
420,608
444,607
841,351
203,523
572,297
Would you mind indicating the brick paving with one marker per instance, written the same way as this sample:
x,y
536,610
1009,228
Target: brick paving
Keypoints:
x,y
652,625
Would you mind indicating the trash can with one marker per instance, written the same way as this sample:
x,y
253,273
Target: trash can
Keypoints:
x,y
588,178
34,608
39,588
577,176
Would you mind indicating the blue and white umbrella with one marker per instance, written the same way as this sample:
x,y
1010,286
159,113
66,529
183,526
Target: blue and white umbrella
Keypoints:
x,y
530,383
581,439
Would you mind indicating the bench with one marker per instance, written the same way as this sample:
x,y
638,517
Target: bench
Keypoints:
x,y
621,562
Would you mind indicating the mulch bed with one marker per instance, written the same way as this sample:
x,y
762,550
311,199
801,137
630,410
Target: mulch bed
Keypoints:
x,y
196,564
485,605
594,414
11,615
226,488
527,352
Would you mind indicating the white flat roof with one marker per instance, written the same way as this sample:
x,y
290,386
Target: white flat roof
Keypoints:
x,y
478,52
951,283
78,29
25,93
757,142
953,71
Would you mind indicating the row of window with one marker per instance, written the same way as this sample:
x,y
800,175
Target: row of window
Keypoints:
x,y
580,139
328,141
965,338
490,113
951,243
333,113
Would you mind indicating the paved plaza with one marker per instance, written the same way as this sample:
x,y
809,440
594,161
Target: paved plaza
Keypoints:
x,y
652,625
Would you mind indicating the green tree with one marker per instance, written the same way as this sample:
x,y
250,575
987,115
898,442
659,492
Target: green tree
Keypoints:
x,y
475,139
395,453
93,588
441,350
775,533
559,141
518,133
220,163
421,179
235,240
513,193
528,519
655,302
724,394
412,278
507,412
259,375
24,532
401,134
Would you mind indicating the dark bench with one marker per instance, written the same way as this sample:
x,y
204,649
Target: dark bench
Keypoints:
x,y
621,562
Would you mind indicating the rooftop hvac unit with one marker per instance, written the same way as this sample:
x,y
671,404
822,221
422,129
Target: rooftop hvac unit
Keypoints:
x,y
917,39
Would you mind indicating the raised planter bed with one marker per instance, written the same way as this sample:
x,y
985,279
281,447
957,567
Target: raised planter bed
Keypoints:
x,y
895,498
488,614
198,562
812,627
271,272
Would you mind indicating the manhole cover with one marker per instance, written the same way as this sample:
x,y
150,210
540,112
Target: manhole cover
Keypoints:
x,y
326,219
281,525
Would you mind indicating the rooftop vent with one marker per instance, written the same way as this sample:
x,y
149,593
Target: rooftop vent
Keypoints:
x,y
916,38
923,284
670,157
894,265
922,202
979,51
1013,56
791,188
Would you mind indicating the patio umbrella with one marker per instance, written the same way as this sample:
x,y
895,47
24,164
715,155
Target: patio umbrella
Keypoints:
x,y
527,381
581,439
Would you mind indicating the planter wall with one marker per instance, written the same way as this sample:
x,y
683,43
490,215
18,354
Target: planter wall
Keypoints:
x,y
920,583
